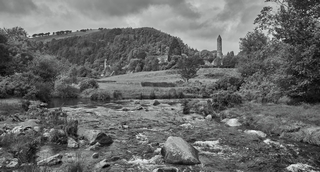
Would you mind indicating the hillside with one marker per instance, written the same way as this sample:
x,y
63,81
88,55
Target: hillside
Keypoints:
x,y
145,47
49,38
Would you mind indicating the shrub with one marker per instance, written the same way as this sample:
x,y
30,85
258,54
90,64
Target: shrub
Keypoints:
x,y
25,104
152,95
117,94
260,88
229,83
224,99
88,83
101,95
64,89
23,146
172,93
180,94
186,107
42,92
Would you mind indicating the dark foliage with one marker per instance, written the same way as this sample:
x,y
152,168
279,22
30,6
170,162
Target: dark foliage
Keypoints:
x,y
229,83
188,67
88,83
118,46
224,99
174,48
296,23
157,84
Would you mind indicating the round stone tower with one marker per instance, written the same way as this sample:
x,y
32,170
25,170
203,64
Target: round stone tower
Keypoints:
x,y
219,47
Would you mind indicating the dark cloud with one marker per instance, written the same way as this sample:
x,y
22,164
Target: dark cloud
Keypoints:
x,y
119,8
17,7
196,22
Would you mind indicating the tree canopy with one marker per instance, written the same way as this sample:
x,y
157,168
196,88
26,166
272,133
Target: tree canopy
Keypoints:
x,y
297,24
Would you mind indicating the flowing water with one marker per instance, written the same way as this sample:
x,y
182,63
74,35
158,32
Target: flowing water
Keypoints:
x,y
154,124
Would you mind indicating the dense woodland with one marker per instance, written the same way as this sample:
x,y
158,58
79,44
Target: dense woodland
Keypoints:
x,y
118,46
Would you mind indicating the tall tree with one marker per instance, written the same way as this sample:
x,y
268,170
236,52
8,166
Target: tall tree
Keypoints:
x,y
297,23
174,49
188,67
4,55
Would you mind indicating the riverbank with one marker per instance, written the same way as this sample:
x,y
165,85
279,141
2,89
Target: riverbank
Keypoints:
x,y
139,128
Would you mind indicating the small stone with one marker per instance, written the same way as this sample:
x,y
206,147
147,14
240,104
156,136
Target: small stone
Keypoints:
x,y
187,126
37,129
13,163
166,169
125,126
102,164
53,160
155,103
208,117
94,136
82,143
138,108
94,147
136,102
72,143
17,130
234,122
157,151
256,132
95,155
142,139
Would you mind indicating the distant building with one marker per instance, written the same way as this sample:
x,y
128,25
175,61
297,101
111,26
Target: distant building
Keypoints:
x,y
218,61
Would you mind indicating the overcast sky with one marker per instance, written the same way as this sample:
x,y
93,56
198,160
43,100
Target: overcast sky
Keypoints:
x,y
197,22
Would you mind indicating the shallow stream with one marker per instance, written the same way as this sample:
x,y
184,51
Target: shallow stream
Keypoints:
x,y
153,124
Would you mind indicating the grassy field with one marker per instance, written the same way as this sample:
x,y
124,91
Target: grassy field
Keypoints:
x,y
130,84
49,38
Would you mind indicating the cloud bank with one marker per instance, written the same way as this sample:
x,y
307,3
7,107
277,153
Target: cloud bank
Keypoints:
x,y
197,22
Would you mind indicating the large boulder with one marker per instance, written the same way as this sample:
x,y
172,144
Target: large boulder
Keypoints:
x,y
95,136
178,151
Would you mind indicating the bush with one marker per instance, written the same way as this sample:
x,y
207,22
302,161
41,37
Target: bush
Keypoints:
x,y
26,85
23,146
224,99
88,83
260,88
64,89
172,93
25,104
101,95
186,107
180,94
117,94
152,95
229,83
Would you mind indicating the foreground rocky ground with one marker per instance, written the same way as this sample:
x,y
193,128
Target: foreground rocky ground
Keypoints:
x,y
143,135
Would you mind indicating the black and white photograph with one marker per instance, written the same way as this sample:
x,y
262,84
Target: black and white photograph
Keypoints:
x,y
159,86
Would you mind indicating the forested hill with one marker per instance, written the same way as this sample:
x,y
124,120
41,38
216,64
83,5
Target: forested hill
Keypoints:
x,y
119,46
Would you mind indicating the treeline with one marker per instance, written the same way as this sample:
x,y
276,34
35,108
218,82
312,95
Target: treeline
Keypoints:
x,y
119,46
53,33
288,63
